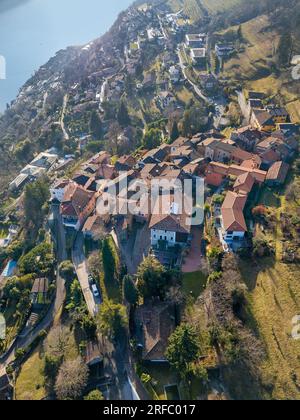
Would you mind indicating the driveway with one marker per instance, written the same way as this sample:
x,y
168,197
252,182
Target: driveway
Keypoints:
x,y
81,268
194,260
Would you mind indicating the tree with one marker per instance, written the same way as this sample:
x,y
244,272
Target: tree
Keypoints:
x,y
24,151
183,349
95,264
259,212
71,380
218,199
194,120
66,270
51,367
113,319
35,197
111,263
284,49
94,396
130,293
174,132
76,298
39,260
58,342
95,126
123,115
240,33
152,138
151,278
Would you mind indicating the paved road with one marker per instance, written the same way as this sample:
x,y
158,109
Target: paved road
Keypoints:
x,y
81,268
23,341
185,74
62,120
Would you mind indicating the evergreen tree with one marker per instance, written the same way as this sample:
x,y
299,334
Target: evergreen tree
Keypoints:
x,y
183,349
130,293
174,132
95,125
123,115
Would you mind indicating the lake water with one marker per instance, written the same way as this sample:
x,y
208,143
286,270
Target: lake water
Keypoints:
x,y
31,31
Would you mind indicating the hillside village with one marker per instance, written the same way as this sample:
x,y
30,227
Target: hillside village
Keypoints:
x,y
121,128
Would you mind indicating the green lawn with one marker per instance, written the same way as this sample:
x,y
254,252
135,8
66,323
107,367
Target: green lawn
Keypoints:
x,y
194,284
3,233
109,283
30,382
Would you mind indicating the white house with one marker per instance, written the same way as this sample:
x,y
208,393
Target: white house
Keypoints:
x,y
165,99
57,190
174,74
233,220
170,227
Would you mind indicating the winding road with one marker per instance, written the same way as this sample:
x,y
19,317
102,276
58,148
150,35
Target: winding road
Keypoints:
x,y
25,340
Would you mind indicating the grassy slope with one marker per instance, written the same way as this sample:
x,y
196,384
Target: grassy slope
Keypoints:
x,y
252,67
274,294
195,8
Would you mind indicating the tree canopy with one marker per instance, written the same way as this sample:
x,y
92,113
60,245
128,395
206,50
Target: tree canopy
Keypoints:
x,y
152,278
183,349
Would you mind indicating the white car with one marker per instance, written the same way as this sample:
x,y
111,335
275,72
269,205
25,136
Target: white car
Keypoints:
x,y
95,291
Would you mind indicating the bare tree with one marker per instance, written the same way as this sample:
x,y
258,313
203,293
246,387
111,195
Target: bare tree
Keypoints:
x,y
58,341
71,380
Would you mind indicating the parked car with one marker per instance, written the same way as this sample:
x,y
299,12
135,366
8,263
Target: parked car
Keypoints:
x,y
95,291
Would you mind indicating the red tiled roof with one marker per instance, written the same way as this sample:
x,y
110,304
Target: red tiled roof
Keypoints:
x,y
278,172
75,200
244,183
214,179
232,212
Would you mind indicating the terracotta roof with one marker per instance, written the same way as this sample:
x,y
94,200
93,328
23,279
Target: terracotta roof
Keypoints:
x,y
75,200
243,155
183,151
232,212
127,160
166,217
244,183
106,171
191,168
250,164
181,141
157,322
219,168
263,117
101,157
257,174
209,141
150,170
278,172
214,179
270,156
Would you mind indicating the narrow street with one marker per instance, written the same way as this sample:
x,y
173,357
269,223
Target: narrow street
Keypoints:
x,y
62,120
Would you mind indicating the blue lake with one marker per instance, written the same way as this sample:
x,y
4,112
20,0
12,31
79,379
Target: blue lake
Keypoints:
x,y
31,31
